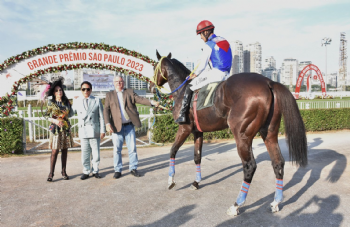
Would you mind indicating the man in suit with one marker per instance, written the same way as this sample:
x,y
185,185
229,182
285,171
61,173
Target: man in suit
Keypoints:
x,y
121,116
91,129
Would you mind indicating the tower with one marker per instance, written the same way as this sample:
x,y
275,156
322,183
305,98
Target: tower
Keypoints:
x,y
342,61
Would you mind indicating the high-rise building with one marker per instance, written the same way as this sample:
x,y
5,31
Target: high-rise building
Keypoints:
x,y
342,61
332,78
136,83
271,73
237,58
289,71
189,65
252,58
269,68
269,62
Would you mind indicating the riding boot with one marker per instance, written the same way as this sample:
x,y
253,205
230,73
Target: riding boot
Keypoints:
x,y
185,104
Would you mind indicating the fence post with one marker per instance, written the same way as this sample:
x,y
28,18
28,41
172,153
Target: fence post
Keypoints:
x,y
150,125
30,126
24,136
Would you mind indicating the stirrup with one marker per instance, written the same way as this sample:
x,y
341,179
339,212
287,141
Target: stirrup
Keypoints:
x,y
180,119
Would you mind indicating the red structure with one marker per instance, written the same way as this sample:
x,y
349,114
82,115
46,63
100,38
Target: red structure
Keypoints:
x,y
301,76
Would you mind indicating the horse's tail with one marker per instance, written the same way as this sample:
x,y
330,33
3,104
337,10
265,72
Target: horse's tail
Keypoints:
x,y
293,124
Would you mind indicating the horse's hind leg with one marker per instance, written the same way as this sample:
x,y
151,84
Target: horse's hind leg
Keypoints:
x,y
182,133
244,147
270,137
198,142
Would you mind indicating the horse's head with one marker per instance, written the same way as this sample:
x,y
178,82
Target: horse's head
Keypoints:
x,y
160,73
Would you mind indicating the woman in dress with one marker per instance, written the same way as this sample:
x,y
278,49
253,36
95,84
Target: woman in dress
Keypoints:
x,y
58,111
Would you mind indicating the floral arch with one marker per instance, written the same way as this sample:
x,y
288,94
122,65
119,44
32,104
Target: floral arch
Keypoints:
x,y
52,58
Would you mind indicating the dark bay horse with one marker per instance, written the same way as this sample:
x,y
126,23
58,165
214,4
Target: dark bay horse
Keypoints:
x,y
247,103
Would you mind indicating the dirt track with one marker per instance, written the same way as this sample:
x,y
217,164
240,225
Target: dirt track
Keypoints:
x,y
318,195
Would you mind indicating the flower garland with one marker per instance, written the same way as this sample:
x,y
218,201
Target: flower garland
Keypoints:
x,y
73,45
166,101
6,102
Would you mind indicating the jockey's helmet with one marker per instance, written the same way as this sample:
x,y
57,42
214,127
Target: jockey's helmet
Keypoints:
x,y
204,26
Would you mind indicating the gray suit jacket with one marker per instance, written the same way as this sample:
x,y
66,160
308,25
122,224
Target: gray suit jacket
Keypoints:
x,y
112,113
91,123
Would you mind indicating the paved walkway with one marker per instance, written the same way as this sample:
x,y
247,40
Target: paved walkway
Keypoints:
x,y
318,195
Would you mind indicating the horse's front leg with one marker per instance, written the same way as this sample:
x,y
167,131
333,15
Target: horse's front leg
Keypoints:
x,y
198,142
182,133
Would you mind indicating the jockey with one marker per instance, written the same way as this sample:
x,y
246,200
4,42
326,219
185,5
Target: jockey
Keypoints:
x,y
218,51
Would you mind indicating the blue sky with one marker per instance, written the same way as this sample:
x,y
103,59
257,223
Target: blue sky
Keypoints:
x,y
284,28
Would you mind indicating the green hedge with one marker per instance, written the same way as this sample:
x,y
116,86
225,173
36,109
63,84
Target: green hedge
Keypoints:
x,y
11,129
165,129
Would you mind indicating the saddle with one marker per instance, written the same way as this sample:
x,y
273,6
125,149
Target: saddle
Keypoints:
x,y
205,96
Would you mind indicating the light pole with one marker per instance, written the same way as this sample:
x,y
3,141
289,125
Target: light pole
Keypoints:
x,y
326,41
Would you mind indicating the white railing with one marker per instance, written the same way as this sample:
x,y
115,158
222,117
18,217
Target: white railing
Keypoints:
x,y
323,104
36,127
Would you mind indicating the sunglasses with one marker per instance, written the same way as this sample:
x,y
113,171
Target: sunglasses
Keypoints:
x,y
87,89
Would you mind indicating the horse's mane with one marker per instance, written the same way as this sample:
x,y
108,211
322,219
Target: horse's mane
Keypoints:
x,y
184,72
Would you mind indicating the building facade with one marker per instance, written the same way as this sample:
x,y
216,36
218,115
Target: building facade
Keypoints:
x,y
189,65
269,62
269,68
289,71
237,58
252,58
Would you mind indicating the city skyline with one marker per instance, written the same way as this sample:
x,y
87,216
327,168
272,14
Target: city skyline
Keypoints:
x,y
284,29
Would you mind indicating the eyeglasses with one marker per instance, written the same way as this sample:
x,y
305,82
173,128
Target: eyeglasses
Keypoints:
x,y
119,82
87,89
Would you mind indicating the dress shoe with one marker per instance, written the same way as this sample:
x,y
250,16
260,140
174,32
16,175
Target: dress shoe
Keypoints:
x,y
84,176
96,175
135,173
117,175
49,178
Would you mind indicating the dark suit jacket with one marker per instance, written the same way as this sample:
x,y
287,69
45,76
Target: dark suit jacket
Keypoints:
x,y
112,113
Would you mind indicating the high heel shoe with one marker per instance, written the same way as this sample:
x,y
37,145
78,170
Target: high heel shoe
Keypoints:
x,y
65,177
49,179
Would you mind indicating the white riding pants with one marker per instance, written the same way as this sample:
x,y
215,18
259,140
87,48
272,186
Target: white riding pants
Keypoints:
x,y
207,77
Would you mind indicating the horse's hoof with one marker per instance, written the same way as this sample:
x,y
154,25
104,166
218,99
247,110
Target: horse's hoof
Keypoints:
x,y
172,185
233,211
274,207
194,186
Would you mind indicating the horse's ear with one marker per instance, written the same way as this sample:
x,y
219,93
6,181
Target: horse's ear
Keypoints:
x,y
169,55
158,55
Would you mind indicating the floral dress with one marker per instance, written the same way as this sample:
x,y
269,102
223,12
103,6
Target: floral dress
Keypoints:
x,y
60,138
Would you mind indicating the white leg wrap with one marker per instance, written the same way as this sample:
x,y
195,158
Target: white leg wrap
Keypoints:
x,y
274,206
171,182
233,210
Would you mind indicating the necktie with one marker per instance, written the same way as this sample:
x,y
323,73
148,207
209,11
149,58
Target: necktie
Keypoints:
x,y
86,103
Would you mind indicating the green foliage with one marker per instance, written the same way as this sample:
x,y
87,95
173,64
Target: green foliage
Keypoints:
x,y
11,129
326,119
164,129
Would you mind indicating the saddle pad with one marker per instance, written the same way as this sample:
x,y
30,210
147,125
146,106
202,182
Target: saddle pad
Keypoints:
x,y
206,96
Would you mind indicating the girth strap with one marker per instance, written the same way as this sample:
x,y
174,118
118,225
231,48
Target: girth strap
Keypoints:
x,y
195,111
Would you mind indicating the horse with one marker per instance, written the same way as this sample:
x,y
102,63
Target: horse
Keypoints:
x,y
247,104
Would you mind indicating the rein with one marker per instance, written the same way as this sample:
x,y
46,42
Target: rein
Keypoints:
x,y
159,69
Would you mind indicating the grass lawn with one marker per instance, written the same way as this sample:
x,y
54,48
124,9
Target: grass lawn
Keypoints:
x,y
336,99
